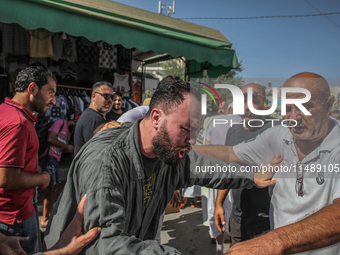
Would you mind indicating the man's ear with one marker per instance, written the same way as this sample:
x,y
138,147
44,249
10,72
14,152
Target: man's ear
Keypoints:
x,y
156,116
32,88
93,95
329,104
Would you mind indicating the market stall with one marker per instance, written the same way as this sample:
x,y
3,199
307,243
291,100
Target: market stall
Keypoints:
x,y
90,40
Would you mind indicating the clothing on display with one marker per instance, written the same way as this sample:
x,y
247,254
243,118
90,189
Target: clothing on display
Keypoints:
x,y
57,42
124,58
107,55
41,43
16,40
69,49
72,60
86,51
121,82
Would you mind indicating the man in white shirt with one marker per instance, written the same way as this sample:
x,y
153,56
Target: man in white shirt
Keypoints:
x,y
305,206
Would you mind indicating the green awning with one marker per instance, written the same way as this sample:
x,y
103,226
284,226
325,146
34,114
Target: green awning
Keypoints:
x,y
121,24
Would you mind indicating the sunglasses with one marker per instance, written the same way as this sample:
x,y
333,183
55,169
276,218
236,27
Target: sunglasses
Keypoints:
x,y
299,179
106,96
255,95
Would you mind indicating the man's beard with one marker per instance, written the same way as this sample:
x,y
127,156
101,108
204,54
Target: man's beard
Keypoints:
x,y
116,108
39,103
248,114
164,149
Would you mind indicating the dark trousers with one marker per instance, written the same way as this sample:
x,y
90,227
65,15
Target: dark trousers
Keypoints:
x,y
25,228
239,233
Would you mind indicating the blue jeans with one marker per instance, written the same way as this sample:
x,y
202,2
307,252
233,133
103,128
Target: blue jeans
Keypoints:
x,y
25,228
52,167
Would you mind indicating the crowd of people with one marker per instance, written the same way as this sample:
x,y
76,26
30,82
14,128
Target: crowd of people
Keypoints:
x,y
129,166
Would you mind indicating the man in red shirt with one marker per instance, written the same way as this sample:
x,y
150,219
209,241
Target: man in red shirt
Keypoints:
x,y
35,89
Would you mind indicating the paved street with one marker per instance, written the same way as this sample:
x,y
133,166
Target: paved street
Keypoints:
x,y
186,232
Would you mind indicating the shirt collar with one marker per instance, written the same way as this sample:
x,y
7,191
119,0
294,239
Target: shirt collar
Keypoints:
x,y
10,102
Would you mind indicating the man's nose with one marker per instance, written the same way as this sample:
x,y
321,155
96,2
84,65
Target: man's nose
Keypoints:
x,y
295,114
246,108
53,99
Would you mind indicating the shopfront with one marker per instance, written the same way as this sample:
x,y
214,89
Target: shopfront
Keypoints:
x,y
85,41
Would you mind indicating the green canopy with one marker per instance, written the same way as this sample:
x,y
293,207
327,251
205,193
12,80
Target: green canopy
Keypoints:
x,y
121,24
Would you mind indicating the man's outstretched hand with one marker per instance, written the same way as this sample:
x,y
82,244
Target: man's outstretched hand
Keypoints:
x,y
10,245
263,178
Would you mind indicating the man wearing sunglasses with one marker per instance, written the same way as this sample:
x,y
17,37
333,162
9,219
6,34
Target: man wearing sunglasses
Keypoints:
x,y
95,115
305,205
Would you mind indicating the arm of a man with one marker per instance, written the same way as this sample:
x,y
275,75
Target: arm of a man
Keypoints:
x,y
222,152
52,139
106,208
220,220
217,174
319,230
16,178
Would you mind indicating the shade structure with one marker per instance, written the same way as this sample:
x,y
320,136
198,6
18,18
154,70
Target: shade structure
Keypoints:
x,y
125,25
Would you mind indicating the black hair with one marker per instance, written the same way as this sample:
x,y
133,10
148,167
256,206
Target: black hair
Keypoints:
x,y
37,74
118,94
170,94
100,83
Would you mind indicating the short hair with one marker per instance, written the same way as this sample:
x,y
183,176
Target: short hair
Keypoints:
x,y
37,74
170,94
100,83
118,94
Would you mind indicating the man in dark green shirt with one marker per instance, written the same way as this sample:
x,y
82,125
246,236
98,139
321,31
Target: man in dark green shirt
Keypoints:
x,y
110,170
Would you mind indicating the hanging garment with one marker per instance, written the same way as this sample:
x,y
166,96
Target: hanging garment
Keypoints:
x,y
41,43
86,51
16,39
107,55
69,49
57,42
121,81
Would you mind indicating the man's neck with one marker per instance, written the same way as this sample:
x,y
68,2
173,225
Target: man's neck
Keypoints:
x,y
119,111
94,108
304,147
22,98
145,135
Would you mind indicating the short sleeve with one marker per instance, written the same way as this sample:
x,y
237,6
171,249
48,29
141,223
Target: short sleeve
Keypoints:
x,y
56,126
258,150
13,146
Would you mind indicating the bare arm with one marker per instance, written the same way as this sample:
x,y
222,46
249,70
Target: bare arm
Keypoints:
x,y
227,154
52,139
223,152
220,220
319,230
15,178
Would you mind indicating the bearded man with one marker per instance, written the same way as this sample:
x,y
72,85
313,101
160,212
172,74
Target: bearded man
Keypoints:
x,y
129,174
35,89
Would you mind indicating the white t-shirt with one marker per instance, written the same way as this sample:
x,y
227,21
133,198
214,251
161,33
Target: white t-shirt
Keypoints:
x,y
217,130
320,189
